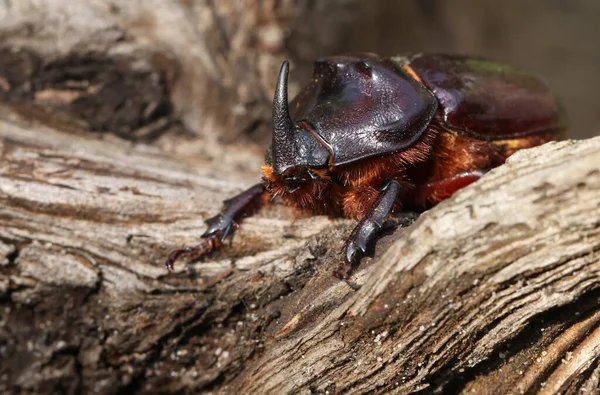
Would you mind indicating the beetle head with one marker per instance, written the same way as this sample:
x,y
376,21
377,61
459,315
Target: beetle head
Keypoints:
x,y
296,177
293,145
303,187
295,180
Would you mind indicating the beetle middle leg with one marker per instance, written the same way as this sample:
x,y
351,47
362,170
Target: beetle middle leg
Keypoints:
x,y
223,224
368,226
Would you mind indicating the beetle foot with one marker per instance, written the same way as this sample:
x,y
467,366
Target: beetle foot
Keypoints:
x,y
353,249
345,277
208,245
219,228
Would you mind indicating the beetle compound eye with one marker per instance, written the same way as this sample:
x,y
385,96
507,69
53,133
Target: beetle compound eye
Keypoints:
x,y
292,183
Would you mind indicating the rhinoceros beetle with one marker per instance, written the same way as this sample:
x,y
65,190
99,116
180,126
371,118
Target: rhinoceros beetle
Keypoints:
x,y
371,135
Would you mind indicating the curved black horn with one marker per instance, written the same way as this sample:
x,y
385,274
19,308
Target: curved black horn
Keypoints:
x,y
292,145
282,122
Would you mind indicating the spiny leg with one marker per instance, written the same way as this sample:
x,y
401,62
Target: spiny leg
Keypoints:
x,y
224,224
205,247
372,221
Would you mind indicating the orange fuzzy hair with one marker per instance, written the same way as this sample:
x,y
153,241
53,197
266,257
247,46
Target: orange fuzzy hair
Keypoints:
x,y
314,196
391,166
351,190
362,180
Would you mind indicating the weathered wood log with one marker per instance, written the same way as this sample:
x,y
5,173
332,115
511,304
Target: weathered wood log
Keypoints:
x,y
496,289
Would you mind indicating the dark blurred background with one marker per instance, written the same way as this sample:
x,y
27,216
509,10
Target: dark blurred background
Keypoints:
x,y
210,66
558,39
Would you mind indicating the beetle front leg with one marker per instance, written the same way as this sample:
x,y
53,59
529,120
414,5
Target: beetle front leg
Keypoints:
x,y
372,221
224,224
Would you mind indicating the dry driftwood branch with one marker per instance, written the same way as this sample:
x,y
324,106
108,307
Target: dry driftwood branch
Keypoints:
x,y
493,290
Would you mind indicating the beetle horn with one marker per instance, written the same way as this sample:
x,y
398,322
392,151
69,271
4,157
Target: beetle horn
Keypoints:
x,y
292,145
283,125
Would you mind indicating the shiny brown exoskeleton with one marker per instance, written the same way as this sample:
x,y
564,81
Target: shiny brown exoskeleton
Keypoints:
x,y
371,135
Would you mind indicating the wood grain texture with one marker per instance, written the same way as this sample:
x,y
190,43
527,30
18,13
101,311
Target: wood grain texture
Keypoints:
x,y
497,286
495,290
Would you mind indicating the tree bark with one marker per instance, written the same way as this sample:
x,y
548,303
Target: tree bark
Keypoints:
x,y
493,290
